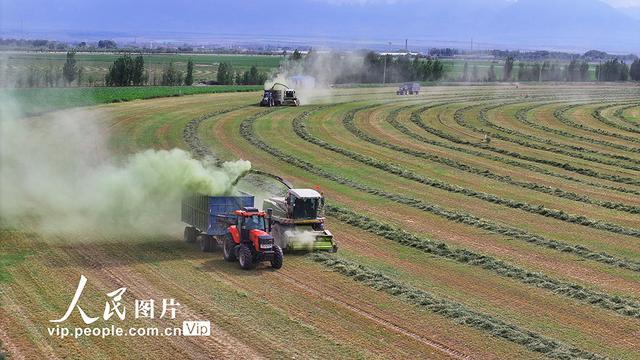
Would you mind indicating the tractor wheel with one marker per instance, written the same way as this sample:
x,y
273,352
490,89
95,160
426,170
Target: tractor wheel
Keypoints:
x,y
228,249
206,243
278,257
245,257
190,234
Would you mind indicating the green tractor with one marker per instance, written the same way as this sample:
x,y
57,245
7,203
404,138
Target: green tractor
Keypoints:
x,y
297,221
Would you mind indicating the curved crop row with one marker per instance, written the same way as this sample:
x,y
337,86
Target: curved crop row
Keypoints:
x,y
482,115
597,113
190,136
623,306
403,129
618,304
485,120
351,126
415,118
522,117
619,113
559,114
472,220
453,310
300,129
201,151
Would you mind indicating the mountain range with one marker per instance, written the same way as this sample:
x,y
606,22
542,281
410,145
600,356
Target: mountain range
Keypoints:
x,y
574,25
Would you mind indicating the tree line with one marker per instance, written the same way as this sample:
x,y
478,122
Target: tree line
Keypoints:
x,y
574,71
130,70
365,67
615,70
228,76
388,69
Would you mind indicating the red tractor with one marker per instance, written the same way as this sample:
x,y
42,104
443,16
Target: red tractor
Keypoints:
x,y
249,242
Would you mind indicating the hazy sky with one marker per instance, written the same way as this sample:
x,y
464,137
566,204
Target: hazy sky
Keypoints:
x,y
557,23
616,3
623,3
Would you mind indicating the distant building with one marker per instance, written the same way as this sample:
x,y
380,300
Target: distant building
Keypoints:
x,y
399,53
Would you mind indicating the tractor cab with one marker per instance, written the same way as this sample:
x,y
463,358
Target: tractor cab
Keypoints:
x,y
249,219
267,99
290,94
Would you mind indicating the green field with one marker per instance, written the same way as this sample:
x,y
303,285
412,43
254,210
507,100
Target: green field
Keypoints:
x,y
95,66
37,100
488,222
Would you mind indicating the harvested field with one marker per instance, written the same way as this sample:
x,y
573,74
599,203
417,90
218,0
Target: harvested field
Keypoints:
x,y
473,222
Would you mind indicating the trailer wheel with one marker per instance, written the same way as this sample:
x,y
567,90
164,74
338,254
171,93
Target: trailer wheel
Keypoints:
x,y
206,243
245,257
228,249
278,257
190,234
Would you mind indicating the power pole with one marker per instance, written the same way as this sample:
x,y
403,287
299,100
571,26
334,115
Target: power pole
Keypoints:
x,y
540,73
384,72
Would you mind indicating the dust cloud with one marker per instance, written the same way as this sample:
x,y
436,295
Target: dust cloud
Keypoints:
x,y
57,176
325,67
302,238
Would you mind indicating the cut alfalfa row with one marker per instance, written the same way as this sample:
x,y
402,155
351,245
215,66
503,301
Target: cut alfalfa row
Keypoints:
x,y
392,119
190,135
300,129
476,221
559,114
619,113
565,166
350,125
597,114
555,146
618,304
623,306
201,151
460,313
522,116
532,145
